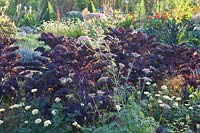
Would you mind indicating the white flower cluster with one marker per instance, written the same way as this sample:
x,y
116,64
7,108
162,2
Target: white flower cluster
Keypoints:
x,y
1,122
15,106
118,107
76,125
34,90
167,98
27,107
2,110
54,112
47,123
35,111
57,100
38,120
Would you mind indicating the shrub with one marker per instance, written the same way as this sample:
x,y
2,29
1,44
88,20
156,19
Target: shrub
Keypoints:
x,y
75,28
74,15
69,28
7,28
74,72
8,68
3,6
130,119
193,30
127,22
143,57
173,112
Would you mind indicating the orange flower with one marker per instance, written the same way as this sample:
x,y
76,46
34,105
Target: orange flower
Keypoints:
x,y
165,15
157,15
148,17
133,16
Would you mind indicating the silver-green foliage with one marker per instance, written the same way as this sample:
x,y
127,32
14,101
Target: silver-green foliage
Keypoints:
x,y
28,54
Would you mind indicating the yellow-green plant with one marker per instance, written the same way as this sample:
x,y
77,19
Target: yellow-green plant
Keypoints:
x,y
7,28
3,5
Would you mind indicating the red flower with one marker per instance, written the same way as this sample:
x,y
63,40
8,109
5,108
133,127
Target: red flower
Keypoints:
x,y
148,17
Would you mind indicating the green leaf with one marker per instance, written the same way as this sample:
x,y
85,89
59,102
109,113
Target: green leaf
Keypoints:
x,y
93,6
52,14
181,35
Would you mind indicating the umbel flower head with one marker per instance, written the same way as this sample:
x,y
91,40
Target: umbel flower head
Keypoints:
x,y
76,125
27,107
35,111
165,106
2,110
38,120
54,112
34,90
57,100
1,122
167,98
164,88
47,123
118,107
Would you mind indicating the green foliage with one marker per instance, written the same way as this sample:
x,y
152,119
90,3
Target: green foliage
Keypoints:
x,y
75,28
140,9
51,12
31,13
3,5
133,109
93,6
193,30
127,22
48,11
178,7
172,31
30,42
19,118
130,119
70,28
149,6
7,28
74,15
28,18
175,32
81,4
90,4
171,111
